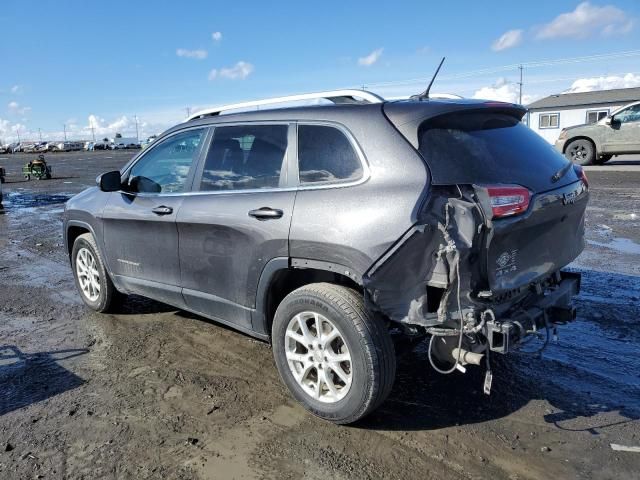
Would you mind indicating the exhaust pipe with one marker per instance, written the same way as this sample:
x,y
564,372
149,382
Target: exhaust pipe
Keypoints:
x,y
466,357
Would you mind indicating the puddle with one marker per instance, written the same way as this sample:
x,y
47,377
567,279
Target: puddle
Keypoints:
x,y
15,200
619,244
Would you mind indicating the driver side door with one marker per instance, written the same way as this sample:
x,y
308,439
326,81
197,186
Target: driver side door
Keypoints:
x,y
623,135
140,232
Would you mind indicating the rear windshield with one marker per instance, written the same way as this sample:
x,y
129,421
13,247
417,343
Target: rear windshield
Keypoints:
x,y
485,148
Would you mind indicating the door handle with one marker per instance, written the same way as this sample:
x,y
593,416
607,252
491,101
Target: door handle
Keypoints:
x,y
266,213
162,210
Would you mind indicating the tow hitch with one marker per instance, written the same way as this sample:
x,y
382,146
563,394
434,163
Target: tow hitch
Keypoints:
x,y
553,308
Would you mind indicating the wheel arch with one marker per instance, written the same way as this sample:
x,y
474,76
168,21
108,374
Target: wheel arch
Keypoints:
x,y
73,230
282,275
596,146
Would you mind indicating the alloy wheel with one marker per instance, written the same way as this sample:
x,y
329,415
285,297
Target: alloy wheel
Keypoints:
x,y
318,357
88,274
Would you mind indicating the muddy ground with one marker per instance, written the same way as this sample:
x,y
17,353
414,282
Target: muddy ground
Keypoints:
x,y
157,393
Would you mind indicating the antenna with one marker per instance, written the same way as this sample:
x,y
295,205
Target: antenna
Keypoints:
x,y
425,95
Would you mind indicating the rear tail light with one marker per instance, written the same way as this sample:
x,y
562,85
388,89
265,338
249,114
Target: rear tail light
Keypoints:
x,y
581,175
508,200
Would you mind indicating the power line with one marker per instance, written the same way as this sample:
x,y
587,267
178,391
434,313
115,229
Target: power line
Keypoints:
x,y
503,68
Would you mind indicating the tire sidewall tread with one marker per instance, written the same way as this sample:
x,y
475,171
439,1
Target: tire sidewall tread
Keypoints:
x,y
373,366
108,293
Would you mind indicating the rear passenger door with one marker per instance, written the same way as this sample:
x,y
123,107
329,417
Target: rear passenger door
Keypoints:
x,y
237,219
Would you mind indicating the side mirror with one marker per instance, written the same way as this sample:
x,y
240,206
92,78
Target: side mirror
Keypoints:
x,y
110,181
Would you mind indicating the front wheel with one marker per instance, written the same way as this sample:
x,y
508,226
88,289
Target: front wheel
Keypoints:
x,y
335,357
581,152
91,277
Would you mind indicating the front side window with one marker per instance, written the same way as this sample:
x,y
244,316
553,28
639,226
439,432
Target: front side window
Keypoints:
x,y
245,157
326,155
628,115
595,116
165,168
549,120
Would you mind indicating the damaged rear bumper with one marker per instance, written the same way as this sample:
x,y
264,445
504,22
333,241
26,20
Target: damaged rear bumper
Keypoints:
x,y
551,307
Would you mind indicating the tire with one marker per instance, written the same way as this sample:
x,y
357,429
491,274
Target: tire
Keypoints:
x,y
603,159
104,298
361,337
581,152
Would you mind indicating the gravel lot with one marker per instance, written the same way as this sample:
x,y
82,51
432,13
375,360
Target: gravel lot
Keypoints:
x,y
157,393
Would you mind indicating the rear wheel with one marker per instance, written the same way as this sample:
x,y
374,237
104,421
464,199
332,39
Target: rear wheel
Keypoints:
x,y
335,357
581,152
91,277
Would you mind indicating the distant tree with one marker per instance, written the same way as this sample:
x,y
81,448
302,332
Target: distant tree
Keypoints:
x,y
106,140
118,135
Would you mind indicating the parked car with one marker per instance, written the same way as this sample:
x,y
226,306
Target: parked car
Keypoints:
x,y
67,147
118,146
616,134
148,141
4,148
89,146
342,232
28,147
101,145
41,147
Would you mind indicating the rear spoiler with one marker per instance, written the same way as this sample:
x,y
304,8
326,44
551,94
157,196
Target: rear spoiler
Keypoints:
x,y
408,116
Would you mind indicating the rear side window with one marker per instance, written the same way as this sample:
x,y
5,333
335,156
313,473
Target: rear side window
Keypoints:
x,y
488,148
325,154
245,157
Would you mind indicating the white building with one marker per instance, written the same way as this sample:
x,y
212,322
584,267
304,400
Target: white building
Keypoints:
x,y
548,116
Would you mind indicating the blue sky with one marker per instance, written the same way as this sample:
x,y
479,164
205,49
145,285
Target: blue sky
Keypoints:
x,y
77,63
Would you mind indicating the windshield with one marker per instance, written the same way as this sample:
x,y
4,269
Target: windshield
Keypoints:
x,y
489,148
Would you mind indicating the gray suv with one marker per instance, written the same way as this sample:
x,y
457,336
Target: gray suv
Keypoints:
x,y
342,233
616,134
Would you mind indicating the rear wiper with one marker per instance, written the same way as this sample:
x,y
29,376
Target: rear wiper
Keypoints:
x,y
561,173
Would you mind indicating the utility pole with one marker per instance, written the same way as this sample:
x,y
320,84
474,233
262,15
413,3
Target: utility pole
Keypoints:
x,y
520,67
188,112
64,125
40,134
18,133
137,136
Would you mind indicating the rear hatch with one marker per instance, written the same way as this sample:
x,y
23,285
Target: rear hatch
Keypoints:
x,y
533,199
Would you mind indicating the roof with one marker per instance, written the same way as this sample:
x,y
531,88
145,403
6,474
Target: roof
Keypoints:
x,y
620,95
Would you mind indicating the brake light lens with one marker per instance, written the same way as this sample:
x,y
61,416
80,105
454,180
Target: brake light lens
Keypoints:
x,y
581,175
508,200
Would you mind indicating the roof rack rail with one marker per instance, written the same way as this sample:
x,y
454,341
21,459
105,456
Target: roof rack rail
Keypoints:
x,y
336,96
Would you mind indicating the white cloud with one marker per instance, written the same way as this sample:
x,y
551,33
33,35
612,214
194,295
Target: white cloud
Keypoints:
x,y
240,70
509,39
371,58
629,80
16,109
8,131
197,54
16,89
503,91
216,36
587,20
